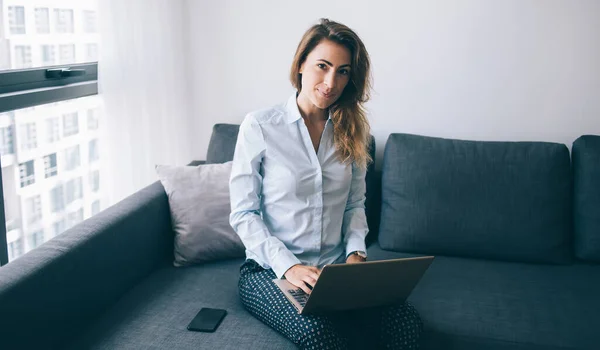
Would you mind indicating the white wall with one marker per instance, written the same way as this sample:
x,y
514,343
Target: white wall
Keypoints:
x,y
471,69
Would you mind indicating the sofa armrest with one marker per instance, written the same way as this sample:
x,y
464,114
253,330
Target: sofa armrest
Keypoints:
x,y
53,292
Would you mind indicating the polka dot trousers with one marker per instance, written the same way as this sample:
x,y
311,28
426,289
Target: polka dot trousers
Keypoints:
x,y
391,327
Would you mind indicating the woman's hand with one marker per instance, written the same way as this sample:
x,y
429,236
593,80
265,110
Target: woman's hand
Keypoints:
x,y
300,275
353,258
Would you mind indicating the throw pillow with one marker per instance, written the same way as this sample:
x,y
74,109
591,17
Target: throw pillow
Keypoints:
x,y
200,208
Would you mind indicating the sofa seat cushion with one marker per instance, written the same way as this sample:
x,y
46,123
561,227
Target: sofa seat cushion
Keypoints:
x,y
484,304
155,314
481,199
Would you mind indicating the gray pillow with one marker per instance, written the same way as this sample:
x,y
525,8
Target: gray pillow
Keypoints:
x,y
200,208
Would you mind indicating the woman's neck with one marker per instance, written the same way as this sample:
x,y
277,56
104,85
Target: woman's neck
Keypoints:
x,y
310,113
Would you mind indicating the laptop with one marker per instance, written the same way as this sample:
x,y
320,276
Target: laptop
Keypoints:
x,y
360,285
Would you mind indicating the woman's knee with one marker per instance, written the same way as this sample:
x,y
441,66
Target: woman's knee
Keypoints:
x,y
317,331
403,316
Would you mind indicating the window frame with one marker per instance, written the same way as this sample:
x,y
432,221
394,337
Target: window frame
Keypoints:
x,y
22,88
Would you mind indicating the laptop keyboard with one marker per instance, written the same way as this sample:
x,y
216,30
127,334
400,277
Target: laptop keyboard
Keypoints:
x,y
299,295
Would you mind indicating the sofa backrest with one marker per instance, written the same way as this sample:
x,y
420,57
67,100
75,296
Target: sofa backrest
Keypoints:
x,y
222,143
222,146
586,172
497,200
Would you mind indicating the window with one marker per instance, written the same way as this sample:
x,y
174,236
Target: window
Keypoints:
x,y
15,249
95,180
16,19
26,173
33,209
36,238
52,129
93,150
22,56
6,140
28,136
74,190
59,227
92,119
75,217
91,52
57,199
48,55
66,53
95,207
72,159
63,20
42,20
89,21
33,36
50,168
70,124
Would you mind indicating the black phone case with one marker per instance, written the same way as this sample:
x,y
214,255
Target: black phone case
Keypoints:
x,y
207,320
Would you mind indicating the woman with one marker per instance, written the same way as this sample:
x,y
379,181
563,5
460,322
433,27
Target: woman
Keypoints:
x,y
297,194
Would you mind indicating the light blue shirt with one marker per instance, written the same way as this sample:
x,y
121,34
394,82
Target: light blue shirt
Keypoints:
x,y
289,204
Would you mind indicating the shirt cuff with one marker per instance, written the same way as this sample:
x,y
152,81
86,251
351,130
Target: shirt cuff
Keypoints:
x,y
283,261
355,243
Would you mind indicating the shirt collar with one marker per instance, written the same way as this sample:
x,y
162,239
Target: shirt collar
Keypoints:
x,y
293,112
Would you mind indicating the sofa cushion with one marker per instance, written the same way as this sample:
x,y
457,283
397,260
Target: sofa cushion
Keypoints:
x,y
155,314
499,200
485,304
586,172
222,143
200,207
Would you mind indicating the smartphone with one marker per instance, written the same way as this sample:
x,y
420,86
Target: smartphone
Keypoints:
x,y
207,320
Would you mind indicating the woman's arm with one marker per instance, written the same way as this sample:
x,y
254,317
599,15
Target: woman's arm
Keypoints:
x,y
354,226
245,187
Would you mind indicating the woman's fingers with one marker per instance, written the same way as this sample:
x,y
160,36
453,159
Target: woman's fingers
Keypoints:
x,y
303,286
310,280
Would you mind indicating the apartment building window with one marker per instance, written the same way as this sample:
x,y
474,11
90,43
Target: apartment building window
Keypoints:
x,y
63,20
48,55
33,209
28,136
70,124
42,20
95,180
72,159
26,173
15,249
22,56
16,19
91,52
66,53
95,207
50,168
6,140
36,238
52,129
93,150
73,189
59,227
73,218
57,199
92,119
89,21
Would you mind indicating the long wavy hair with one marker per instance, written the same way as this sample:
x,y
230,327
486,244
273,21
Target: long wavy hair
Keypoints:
x,y
350,124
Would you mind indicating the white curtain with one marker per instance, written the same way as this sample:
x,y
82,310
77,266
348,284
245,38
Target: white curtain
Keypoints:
x,y
142,82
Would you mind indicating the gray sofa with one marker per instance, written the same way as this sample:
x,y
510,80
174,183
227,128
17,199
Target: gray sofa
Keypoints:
x,y
515,228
